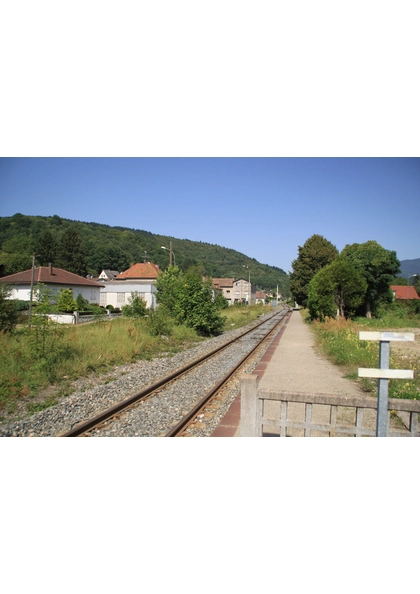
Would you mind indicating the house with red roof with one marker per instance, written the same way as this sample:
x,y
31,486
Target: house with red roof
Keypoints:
x,y
55,279
404,292
139,278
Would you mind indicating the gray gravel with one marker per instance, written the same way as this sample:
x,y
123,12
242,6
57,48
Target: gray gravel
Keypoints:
x,y
156,414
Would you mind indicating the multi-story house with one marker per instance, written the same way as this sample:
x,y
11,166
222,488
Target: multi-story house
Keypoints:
x,y
139,278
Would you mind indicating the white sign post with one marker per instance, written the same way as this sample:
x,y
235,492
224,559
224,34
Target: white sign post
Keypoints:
x,y
384,373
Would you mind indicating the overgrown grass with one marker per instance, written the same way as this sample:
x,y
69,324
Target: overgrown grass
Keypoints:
x,y
339,341
238,316
77,351
54,355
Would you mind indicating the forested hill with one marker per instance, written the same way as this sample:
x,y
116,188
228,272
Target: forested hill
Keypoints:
x,y
117,248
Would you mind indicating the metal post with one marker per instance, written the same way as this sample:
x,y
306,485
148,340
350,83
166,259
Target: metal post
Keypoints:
x,y
170,253
382,415
32,290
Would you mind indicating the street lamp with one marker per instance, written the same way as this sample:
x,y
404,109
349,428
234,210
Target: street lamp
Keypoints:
x,y
169,249
249,283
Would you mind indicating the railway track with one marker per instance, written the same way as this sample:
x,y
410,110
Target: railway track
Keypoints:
x,y
171,406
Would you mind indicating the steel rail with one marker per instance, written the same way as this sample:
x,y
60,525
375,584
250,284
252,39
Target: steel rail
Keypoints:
x,y
183,423
87,425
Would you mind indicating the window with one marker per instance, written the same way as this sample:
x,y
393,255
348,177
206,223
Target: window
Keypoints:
x,y
120,297
102,299
93,295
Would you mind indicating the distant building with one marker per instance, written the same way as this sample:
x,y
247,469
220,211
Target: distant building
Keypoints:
x,y
259,297
235,290
243,291
55,279
108,275
225,286
404,292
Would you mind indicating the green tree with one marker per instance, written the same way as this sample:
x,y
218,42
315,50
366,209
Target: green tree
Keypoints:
x,y
337,286
169,287
220,301
16,254
316,253
189,299
71,254
199,310
9,313
46,249
81,303
66,302
107,257
378,266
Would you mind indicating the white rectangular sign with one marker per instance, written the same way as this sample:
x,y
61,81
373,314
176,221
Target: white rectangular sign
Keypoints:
x,y
386,373
387,336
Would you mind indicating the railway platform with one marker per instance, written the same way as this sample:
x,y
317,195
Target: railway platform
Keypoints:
x,y
291,363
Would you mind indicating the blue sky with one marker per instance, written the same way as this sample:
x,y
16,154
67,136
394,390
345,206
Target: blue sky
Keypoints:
x,y
263,207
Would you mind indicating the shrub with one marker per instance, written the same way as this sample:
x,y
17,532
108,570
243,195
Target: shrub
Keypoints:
x,y
136,307
82,304
160,322
66,302
9,314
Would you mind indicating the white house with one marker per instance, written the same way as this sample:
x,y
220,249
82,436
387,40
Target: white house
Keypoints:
x,y
139,278
55,279
118,293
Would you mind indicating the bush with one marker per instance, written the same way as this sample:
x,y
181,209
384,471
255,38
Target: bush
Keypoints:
x,y
9,314
82,304
221,302
160,322
136,308
66,302
22,305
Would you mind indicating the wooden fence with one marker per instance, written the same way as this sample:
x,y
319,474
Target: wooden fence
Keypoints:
x,y
266,413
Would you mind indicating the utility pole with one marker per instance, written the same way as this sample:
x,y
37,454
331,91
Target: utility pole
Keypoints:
x,y
32,290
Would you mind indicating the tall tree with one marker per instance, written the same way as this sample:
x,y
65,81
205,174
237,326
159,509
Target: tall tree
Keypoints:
x,y
378,267
46,249
316,253
336,287
71,255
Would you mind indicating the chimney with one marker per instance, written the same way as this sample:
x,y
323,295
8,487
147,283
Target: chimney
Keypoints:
x,y
51,268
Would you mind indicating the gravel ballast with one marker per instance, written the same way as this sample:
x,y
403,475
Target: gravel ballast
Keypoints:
x,y
159,411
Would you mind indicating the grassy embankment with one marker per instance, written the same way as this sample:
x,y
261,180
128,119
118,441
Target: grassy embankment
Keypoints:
x,y
57,355
339,341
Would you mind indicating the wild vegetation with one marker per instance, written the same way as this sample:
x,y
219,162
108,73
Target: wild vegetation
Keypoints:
x,y
339,341
88,248
50,355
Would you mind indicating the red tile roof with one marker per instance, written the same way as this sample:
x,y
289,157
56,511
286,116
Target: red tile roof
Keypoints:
x,y
218,283
140,271
402,292
50,275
